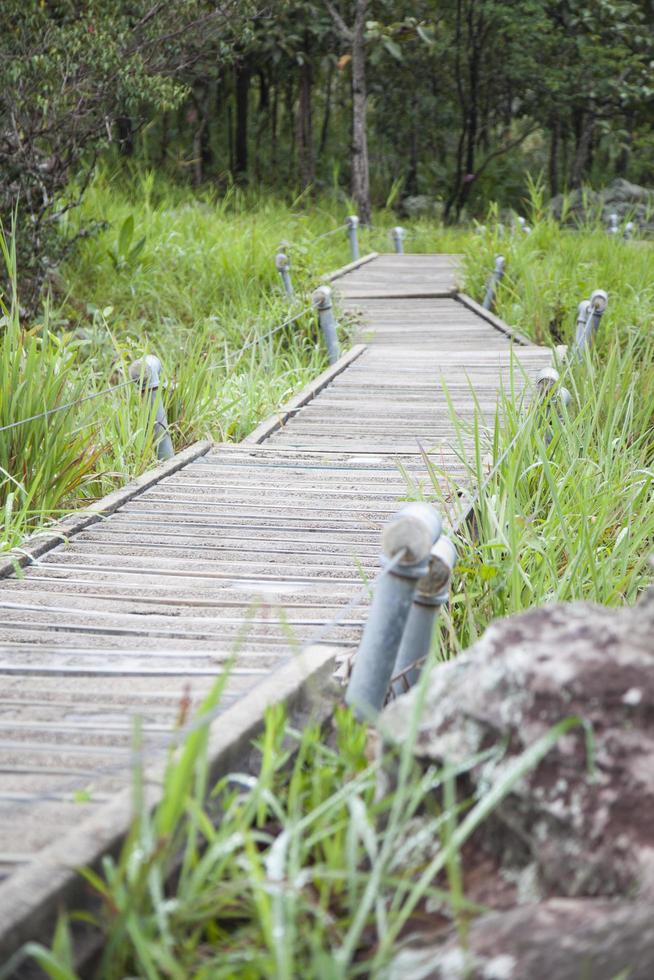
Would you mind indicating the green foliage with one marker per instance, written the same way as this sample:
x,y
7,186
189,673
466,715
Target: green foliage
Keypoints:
x,y
124,255
46,462
69,73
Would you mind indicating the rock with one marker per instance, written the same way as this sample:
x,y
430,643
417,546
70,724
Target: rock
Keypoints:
x,y
561,939
578,825
629,201
419,206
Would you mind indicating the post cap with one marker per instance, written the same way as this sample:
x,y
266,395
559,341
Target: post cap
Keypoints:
x,y
565,397
322,298
442,559
282,262
414,529
547,377
146,370
398,232
352,221
599,300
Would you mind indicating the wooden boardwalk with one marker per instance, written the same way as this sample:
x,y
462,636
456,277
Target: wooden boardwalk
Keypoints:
x,y
251,547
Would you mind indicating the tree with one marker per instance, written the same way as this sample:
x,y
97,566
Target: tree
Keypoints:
x,y
73,75
355,37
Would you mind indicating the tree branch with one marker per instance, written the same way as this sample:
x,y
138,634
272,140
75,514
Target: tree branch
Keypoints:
x,y
341,26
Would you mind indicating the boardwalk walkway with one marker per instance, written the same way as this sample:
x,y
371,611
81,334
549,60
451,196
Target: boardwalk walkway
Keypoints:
x,y
251,547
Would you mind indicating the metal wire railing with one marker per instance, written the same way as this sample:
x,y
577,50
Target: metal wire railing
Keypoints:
x,y
68,405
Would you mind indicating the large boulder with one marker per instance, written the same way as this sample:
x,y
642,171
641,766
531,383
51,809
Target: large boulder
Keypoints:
x,y
561,939
580,823
629,201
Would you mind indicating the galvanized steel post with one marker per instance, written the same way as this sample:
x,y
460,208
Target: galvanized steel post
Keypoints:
x,y
322,300
614,224
559,398
283,266
523,224
589,315
398,234
628,230
147,372
407,541
352,224
431,593
493,281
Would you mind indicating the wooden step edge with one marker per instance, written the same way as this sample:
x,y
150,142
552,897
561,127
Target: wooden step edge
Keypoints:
x,y
351,266
495,321
308,393
43,541
32,896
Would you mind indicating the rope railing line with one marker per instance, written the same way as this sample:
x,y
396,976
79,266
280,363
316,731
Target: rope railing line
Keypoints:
x,y
270,333
332,231
62,408
125,384
141,757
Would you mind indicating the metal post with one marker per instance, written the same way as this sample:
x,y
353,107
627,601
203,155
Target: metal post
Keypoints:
x,y
628,230
147,371
283,265
523,224
431,593
408,539
552,396
614,223
398,235
493,282
352,224
322,300
589,315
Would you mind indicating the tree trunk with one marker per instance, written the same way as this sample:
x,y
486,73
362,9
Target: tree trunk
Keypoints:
x,y
241,135
125,135
324,131
411,186
305,127
274,123
360,166
553,164
582,150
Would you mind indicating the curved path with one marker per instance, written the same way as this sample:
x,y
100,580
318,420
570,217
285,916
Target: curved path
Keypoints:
x,y
250,548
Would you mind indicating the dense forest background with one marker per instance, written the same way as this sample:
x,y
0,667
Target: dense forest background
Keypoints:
x,y
386,100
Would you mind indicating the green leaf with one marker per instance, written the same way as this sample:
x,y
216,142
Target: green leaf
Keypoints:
x,y
393,48
125,235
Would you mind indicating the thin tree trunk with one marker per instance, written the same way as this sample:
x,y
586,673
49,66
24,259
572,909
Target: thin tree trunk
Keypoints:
x,y
163,145
582,150
412,173
553,164
326,119
241,136
274,122
125,136
305,127
360,165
